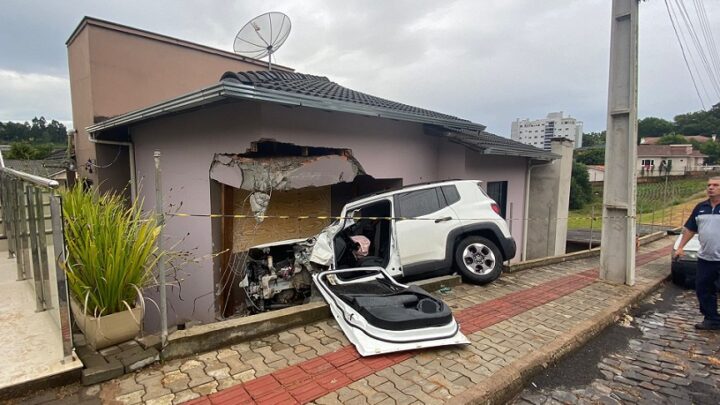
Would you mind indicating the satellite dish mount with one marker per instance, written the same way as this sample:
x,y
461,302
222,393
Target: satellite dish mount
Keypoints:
x,y
262,36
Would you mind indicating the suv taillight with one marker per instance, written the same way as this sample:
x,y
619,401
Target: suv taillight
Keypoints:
x,y
495,208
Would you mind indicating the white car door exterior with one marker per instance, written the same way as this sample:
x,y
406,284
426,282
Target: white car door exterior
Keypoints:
x,y
370,339
423,239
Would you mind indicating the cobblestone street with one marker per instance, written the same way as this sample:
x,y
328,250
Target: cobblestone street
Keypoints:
x,y
669,362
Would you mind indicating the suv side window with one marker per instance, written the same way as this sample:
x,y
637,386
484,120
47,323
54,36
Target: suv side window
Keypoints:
x,y
418,203
451,194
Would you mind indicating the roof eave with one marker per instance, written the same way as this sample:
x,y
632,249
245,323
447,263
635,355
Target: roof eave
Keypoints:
x,y
226,90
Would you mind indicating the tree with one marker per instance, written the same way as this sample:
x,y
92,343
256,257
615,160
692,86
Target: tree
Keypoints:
x,y
699,122
28,151
593,139
654,127
672,139
594,156
580,189
37,132
712,150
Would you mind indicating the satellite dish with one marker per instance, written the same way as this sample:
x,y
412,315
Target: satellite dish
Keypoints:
x,y
262,36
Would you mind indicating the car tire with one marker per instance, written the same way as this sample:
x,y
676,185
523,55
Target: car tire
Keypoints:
x,y
678,278
478,260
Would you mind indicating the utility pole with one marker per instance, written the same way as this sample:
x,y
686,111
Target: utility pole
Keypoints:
x,y
617,254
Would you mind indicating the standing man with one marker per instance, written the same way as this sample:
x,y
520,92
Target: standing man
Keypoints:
x,y
705,221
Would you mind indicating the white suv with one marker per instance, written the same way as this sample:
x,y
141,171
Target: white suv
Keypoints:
x,y
411,232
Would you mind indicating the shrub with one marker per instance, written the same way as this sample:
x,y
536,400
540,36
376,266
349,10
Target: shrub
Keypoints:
x,y
111,250
580,189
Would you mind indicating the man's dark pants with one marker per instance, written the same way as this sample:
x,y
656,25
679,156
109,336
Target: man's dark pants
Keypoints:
x,y
706,289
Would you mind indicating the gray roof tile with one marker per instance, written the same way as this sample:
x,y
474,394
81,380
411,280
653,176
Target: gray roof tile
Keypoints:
x,y
320,86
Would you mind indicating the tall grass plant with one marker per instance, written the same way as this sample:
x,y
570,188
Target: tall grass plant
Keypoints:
x,y
111,250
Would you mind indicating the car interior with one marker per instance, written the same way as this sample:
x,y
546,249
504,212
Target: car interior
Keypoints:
x,y
373,228
387,305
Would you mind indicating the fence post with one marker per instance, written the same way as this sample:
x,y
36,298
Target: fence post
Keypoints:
x,y
22,252
672,220
682,220
42,247
58,236
35,250
161,263
592,220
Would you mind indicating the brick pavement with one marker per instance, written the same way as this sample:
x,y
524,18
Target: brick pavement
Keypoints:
x,y
505,321
670,363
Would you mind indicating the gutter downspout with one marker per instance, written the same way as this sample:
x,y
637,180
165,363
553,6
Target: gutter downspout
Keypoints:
x,y
131,153
526,222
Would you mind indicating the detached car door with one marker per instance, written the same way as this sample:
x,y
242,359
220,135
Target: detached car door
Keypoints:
x,y
422,239
379,315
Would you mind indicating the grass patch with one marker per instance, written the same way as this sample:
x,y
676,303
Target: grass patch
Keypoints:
x,y
658,203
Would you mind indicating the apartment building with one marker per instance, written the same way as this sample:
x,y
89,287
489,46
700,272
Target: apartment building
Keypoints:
x,y
538,133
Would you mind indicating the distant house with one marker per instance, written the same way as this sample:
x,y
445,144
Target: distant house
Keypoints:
x,y
52,167
648,140
674,160
596,173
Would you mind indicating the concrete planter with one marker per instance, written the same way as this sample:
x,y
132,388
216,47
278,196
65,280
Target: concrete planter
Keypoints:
x,y
110,329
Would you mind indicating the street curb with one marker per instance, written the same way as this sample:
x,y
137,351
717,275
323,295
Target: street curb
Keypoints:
x,y
504,385
583,254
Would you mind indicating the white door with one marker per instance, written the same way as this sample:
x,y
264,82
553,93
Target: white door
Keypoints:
x,y
423,224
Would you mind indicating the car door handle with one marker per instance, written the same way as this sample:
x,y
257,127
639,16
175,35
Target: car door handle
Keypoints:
x,y
437,221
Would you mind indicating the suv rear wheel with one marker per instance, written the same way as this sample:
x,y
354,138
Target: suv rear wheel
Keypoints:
x,y
478,260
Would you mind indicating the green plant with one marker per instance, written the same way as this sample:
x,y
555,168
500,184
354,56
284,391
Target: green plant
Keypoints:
x,y
111,250
580,189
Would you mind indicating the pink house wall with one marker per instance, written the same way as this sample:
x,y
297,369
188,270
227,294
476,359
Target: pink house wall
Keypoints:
x,y
188,142
503,168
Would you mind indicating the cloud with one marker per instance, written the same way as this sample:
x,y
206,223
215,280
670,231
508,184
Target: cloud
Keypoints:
x,y
28,95
487,61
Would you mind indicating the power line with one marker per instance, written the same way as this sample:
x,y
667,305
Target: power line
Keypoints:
x,y
692,32
682,49
707,34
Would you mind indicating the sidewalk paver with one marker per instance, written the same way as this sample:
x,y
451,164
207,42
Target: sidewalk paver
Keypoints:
x,y
508,322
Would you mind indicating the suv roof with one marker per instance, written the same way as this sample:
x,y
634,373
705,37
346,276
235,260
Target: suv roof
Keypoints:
x,y
410,187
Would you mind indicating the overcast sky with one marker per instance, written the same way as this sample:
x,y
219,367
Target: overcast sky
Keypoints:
x,y
487,61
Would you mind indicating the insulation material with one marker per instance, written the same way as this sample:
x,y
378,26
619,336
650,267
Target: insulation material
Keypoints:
x,y
312,201
283,173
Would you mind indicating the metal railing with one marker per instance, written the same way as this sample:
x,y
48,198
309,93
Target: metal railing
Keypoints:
x,y
23,200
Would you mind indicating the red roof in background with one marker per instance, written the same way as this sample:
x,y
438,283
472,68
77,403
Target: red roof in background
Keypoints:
x,y
667,151
651,140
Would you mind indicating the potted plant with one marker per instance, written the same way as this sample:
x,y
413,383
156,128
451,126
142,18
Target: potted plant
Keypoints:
x,y
111,252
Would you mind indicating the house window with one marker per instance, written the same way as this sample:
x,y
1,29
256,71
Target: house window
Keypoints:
x,y
648,162
497,190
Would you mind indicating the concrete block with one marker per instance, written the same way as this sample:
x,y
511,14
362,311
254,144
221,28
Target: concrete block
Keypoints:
x,y
90,358
108,371
150,341
130,344
109,351
135,360
436,283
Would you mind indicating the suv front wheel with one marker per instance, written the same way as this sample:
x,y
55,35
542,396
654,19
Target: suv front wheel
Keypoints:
x,y
478,260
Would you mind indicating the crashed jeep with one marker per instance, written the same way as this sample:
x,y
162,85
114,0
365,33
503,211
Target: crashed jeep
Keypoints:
x,y
413,232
